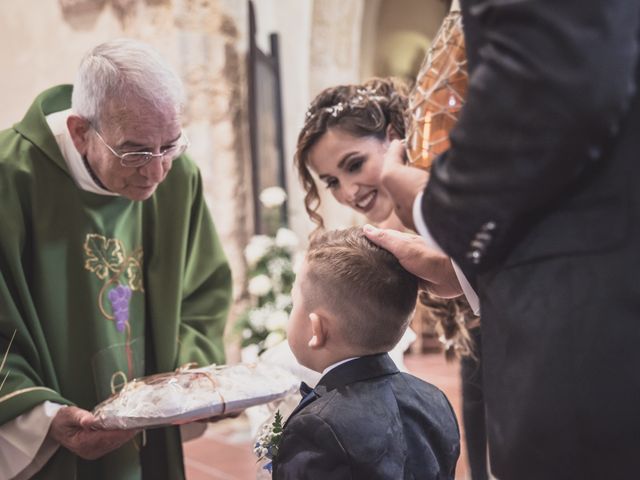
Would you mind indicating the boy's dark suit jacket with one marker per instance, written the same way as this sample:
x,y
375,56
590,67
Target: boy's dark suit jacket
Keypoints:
x,y
368,422
538,200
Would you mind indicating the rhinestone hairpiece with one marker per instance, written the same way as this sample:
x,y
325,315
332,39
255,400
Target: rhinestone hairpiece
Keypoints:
x,y
335,109
363,94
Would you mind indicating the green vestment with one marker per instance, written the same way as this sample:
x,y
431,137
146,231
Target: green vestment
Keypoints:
x,y
98,288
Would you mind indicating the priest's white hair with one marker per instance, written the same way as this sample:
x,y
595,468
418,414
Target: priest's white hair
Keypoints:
x,y
122,69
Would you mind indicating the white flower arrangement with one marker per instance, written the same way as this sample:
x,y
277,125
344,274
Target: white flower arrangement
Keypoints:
x,y
277,321
271,276
287,239
257,248
258,319
283,301
272,197
273,339
260,285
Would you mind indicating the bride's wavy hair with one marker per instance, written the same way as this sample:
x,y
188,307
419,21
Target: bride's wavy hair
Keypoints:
x,y
362,110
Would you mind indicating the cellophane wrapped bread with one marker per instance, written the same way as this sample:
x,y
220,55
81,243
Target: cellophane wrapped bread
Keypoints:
x,y
191,394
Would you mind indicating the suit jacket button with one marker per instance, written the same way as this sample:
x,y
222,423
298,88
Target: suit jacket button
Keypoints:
x,y
594,153
614,128
483,237
474,256
489,226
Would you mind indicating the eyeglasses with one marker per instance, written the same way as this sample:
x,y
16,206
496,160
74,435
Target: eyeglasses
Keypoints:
x,y
140,159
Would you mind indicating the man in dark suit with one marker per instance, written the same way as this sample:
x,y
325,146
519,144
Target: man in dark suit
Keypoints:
x,y
364,420
536,202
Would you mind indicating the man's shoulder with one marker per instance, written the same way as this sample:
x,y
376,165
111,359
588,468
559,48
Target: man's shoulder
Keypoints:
x,y
15,153
10,140
185,166
30,138
183,176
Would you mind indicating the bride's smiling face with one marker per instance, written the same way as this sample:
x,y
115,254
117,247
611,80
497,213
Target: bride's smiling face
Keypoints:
x,y
350,167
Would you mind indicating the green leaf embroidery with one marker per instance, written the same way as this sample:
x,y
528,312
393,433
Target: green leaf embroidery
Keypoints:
x,y
103,255
134,271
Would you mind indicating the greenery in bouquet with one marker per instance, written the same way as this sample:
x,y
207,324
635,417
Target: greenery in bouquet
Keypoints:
x,y
271,274
266,446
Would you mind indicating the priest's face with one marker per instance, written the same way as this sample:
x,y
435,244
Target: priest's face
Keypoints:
x,y
134,127
351,168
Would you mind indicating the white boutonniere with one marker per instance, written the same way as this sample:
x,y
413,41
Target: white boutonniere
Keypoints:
x,y
268,441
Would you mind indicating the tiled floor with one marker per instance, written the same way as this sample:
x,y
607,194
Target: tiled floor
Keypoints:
x,y
224,451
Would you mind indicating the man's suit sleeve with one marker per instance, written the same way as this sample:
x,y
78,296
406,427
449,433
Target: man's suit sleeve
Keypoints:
x,y
548,90
310,450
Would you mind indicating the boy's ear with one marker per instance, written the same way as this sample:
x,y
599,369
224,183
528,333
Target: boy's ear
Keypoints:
x,y
318,331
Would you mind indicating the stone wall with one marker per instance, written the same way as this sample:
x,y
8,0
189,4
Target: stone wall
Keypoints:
x,y
292,20
212,45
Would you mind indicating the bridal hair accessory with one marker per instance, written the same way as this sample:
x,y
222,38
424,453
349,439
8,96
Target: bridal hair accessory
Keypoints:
x,y
363,95
335,109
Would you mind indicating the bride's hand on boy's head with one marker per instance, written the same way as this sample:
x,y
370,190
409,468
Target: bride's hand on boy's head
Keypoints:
x,y
433,267
410,249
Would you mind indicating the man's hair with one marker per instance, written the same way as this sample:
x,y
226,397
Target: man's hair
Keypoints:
x,y
123,69
364,285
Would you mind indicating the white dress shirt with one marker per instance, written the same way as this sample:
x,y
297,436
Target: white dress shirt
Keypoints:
x,y
334,365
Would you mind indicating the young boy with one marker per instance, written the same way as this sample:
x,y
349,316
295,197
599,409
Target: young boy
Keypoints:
x,y
364,420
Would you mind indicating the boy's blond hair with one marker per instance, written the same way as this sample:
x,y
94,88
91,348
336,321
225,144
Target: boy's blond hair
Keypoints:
x,y
362,284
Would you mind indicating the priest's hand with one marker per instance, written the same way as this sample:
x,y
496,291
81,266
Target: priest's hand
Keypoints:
x,y
402,182
431,265
78,431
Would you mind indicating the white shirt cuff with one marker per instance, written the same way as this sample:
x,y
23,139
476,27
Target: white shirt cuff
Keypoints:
x,y
468,291
421,225
423,230
24,445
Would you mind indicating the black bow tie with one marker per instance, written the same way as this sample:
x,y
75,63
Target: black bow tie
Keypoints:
x,y
308,394
305,389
